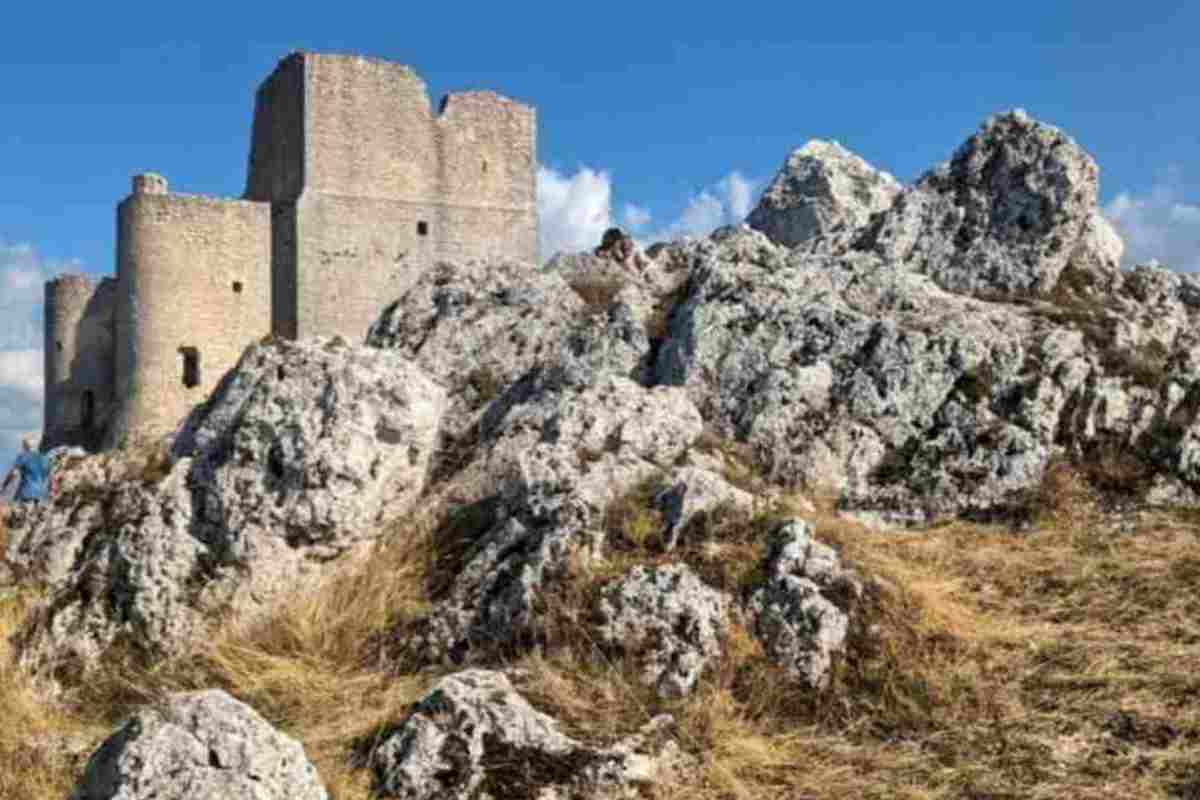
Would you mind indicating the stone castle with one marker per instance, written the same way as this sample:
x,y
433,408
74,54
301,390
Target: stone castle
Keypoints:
x,y
354,185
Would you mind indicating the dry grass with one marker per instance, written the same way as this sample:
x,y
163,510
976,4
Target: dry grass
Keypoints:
x,y
1061,661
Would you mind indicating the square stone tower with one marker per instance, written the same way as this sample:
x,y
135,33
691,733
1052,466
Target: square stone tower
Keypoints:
x,y
368,185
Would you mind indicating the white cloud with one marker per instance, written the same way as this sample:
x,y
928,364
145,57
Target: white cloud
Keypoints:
x,y
727,202
1159,225
739,194
22,275
573,212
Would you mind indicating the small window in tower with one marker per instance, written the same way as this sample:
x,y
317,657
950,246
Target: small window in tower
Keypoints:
x,y
422,228
191,366
237,287
87,416
58,345
485,166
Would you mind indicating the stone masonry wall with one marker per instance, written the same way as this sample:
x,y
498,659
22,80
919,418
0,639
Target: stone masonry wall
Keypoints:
x,y
354,187
78,360
385,188
193,272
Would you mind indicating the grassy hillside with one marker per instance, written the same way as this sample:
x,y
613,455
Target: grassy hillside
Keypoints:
x,y
1062,660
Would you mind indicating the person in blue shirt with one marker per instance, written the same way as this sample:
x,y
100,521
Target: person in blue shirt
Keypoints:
x,y
33,470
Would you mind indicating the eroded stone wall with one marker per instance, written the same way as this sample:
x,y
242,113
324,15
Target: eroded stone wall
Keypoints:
x,y
193,272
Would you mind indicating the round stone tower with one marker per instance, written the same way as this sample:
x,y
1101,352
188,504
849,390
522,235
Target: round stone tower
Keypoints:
x,y
78,360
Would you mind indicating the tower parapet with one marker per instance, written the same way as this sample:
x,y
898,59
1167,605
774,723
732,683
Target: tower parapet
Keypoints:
x,y
149,183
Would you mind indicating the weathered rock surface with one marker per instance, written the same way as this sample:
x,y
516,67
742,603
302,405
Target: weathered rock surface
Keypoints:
x,y
473,736
823,196
802,614
199,745
691,494
558,448
299,456
479,326
667,617
1007,213
938,363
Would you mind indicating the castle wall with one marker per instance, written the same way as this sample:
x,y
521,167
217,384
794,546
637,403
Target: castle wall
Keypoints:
x,y
78,360
487,152
193,277
388,187
276,166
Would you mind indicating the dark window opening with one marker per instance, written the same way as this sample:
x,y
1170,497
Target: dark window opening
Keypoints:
x,y
485,166
87,416
58,345
422,229
237,287
191,366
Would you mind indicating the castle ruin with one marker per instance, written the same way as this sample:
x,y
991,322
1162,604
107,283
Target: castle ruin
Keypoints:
x,y
355,184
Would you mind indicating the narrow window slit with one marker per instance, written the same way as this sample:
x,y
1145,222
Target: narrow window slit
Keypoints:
x,y
422,228
191,366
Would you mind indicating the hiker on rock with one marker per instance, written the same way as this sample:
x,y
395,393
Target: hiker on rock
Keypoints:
x,y
32,469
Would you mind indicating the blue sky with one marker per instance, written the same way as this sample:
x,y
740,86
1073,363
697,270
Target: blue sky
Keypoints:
x,y
667,116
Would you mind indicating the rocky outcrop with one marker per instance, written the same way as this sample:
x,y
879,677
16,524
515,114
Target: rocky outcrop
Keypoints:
x,y
823,196
298,458
802,614
939,362
1013,207
474,736
669,619
556,449
199,745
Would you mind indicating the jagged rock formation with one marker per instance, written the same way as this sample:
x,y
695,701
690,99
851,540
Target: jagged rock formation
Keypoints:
x,y
199,745
824,193
1013,207
803,612
295,462
557,448
474,736
922,351
940,362
671,618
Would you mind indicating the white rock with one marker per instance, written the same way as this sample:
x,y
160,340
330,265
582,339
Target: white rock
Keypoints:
x,y
199,745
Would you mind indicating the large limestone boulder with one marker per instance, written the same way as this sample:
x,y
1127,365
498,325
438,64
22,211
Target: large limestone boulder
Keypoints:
x,y
298,459
1013,207
669,619
823,195
199,745
802,614
473,736
555,451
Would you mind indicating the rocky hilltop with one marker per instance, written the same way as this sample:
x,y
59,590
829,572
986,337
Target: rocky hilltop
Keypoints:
x,y
617,458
